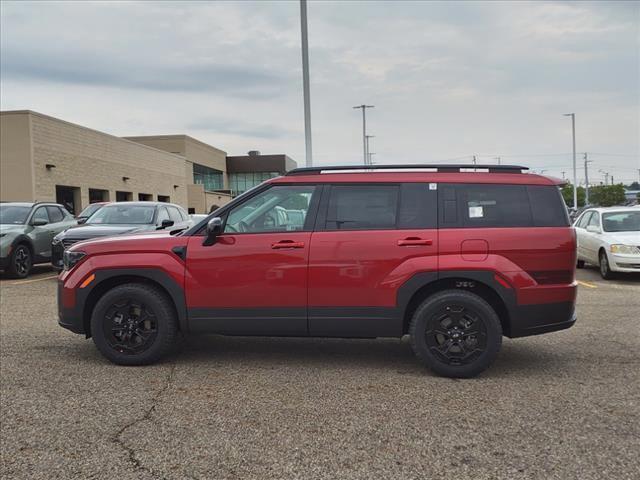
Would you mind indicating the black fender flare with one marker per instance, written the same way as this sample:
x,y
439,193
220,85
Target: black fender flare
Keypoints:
x,y
155,275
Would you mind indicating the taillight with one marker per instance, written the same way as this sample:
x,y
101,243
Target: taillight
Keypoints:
x,y
551,277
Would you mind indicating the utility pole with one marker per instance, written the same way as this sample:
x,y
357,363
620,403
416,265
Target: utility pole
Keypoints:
x,y
371,154
369,162
364,130
606,176
563,175
305,83
575,172
586,179
475,160
498,159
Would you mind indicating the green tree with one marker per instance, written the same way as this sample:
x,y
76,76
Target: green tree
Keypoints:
x,y
567,194
634,186
607,195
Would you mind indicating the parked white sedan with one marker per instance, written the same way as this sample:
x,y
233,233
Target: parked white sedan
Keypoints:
x,y
609,238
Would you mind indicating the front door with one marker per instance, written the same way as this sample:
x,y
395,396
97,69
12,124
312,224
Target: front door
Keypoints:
x,y
253,280
370,239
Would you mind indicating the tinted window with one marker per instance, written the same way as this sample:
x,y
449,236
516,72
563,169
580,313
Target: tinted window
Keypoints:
x,y
41,214
362,207
55,215
495,206
500,205
279,209
547,206
418,206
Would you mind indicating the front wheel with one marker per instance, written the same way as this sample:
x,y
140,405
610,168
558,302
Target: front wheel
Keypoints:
x,y
456,333
134,324
605,269
20,262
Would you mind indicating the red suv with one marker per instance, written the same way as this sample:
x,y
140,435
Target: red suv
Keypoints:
x,y
452,256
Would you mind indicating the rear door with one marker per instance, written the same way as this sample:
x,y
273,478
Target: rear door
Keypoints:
x,y
369,239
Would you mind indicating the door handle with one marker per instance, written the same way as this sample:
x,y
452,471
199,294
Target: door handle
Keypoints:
x,y
287,244
414,242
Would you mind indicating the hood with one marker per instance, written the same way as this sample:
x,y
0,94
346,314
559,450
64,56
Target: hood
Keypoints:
x,y
627,238
94,231
12,228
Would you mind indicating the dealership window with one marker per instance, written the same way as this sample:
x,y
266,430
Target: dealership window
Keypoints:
x,y
98,195
145,197
241,182
164,198
211,178
124,196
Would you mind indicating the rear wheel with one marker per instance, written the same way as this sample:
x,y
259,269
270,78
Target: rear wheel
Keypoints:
x,y
134,324
605,269
456,333
20,261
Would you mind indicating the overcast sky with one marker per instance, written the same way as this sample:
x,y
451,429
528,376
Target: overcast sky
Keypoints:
x,y
448,80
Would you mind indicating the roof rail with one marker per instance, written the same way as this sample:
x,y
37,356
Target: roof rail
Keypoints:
x,y
437,167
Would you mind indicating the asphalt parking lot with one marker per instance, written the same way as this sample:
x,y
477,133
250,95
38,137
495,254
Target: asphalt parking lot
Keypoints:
x,y
565,405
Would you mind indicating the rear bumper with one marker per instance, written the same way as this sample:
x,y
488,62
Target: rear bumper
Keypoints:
x,y
530,320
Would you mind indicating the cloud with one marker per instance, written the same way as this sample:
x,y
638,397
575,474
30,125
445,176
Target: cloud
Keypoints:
x,y
449,79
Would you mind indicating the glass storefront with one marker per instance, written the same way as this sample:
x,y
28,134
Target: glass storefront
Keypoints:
x,y
241,182
211,178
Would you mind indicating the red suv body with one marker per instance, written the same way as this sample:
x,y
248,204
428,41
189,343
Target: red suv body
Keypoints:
x,y
454,258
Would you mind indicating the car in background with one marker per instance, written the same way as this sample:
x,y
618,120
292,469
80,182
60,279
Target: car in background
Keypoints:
x,y
90,210
609,238
118,218
26,232
197,217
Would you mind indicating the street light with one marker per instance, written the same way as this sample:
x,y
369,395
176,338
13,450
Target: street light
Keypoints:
x,y
364,129
369,154
575,172
305,82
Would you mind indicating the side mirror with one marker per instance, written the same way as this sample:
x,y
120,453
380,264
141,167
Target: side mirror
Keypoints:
x,y
82,220
593,229
214,228
39,222
165,223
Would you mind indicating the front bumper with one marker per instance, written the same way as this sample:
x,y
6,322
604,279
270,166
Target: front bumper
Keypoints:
x,y
69,311
624,263
57,251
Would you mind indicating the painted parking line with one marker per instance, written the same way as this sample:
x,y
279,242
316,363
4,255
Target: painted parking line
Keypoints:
x,y
587,284
22,282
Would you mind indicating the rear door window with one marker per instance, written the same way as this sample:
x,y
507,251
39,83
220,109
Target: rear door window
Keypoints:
x,y
362,207
547,206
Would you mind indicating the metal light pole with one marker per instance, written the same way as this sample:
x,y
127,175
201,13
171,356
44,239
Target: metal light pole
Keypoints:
x,y
575,172
305,82
364,130
586,179
369,162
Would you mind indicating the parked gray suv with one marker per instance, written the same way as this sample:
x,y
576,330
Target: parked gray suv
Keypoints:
x,y
26,232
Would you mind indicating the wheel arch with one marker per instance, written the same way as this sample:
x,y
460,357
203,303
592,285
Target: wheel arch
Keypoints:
x,y
23,239
108,279
482,283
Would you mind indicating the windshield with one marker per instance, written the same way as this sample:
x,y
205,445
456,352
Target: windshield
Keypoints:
x,y
123,214
12,214
621,222
90,210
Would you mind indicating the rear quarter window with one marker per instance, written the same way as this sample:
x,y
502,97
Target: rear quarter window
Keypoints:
x,y
500,206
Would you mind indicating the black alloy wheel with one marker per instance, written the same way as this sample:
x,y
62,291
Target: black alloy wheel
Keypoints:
x,y
134,324
456,333
130,326
21,262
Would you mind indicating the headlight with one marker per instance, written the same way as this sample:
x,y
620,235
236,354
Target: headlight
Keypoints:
x,y
71,259
625,249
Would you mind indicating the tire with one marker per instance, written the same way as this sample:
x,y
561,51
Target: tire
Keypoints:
x,y
580,264
134,324
605,269
20,261
463,357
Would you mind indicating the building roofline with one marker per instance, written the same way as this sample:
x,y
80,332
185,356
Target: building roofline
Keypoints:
x,y
181,136
124,139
